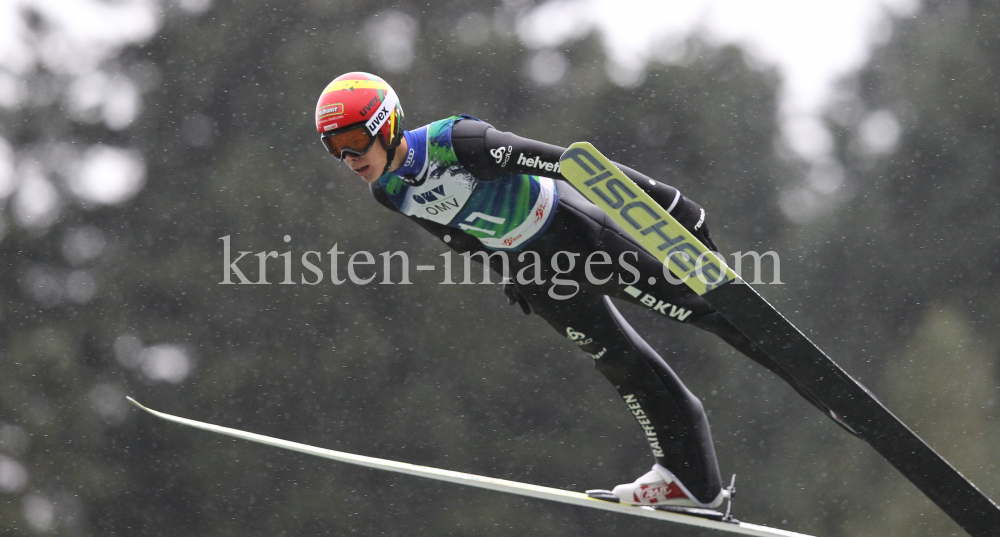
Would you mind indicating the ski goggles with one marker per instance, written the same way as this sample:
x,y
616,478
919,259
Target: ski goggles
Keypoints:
x,y
354,141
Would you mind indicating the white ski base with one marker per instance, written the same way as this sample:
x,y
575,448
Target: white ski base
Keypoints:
x,y
500,485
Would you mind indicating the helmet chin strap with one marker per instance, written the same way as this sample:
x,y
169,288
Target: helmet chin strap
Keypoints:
x,y
390,155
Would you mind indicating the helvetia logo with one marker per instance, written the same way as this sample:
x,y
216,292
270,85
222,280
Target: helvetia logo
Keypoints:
x,y
537,162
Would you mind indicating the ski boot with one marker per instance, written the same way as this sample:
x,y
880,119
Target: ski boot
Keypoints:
x,y
661,490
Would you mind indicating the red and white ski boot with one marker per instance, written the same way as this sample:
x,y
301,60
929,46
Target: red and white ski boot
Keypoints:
x,y
657,488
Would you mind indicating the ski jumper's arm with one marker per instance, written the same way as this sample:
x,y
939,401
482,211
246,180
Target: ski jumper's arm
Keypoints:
x,y
488,153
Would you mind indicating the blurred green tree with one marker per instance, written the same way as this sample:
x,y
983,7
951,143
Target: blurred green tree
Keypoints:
x,y
907,260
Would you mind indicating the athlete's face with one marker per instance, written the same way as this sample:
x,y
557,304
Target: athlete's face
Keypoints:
x,y
370,165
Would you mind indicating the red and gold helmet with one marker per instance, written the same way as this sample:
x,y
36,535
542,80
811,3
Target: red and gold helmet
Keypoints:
x,y
356,108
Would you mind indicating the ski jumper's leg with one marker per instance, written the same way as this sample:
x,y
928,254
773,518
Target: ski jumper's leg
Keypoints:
x,y
672,419
677,302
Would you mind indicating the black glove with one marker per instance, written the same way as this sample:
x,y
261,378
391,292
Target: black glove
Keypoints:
x,y
513,296
706,238
690,215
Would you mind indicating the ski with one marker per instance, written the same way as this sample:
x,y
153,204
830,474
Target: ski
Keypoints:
x,y
705,273
489,483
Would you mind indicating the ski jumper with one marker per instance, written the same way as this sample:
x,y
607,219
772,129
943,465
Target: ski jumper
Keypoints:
x,y
483,190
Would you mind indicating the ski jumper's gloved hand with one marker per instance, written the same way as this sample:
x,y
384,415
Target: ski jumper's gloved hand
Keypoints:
x,y
690,215
513,296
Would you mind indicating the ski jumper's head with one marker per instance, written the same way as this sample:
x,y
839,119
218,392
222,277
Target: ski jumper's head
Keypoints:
x,y
354,111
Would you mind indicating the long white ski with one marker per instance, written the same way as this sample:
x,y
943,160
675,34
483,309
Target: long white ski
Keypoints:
x,y
499,485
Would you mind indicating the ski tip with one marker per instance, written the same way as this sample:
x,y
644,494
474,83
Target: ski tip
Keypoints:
x,y
136,403
574,149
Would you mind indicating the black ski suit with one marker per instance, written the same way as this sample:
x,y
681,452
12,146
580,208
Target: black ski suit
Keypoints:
x,y
672,419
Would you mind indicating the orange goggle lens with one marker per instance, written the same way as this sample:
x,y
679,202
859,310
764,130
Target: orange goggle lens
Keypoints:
x,y
354,141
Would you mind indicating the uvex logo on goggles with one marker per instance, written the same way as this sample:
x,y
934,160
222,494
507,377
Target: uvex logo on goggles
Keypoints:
x,y
382,113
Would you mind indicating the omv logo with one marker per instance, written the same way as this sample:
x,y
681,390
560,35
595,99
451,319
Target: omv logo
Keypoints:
x,y
429,196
